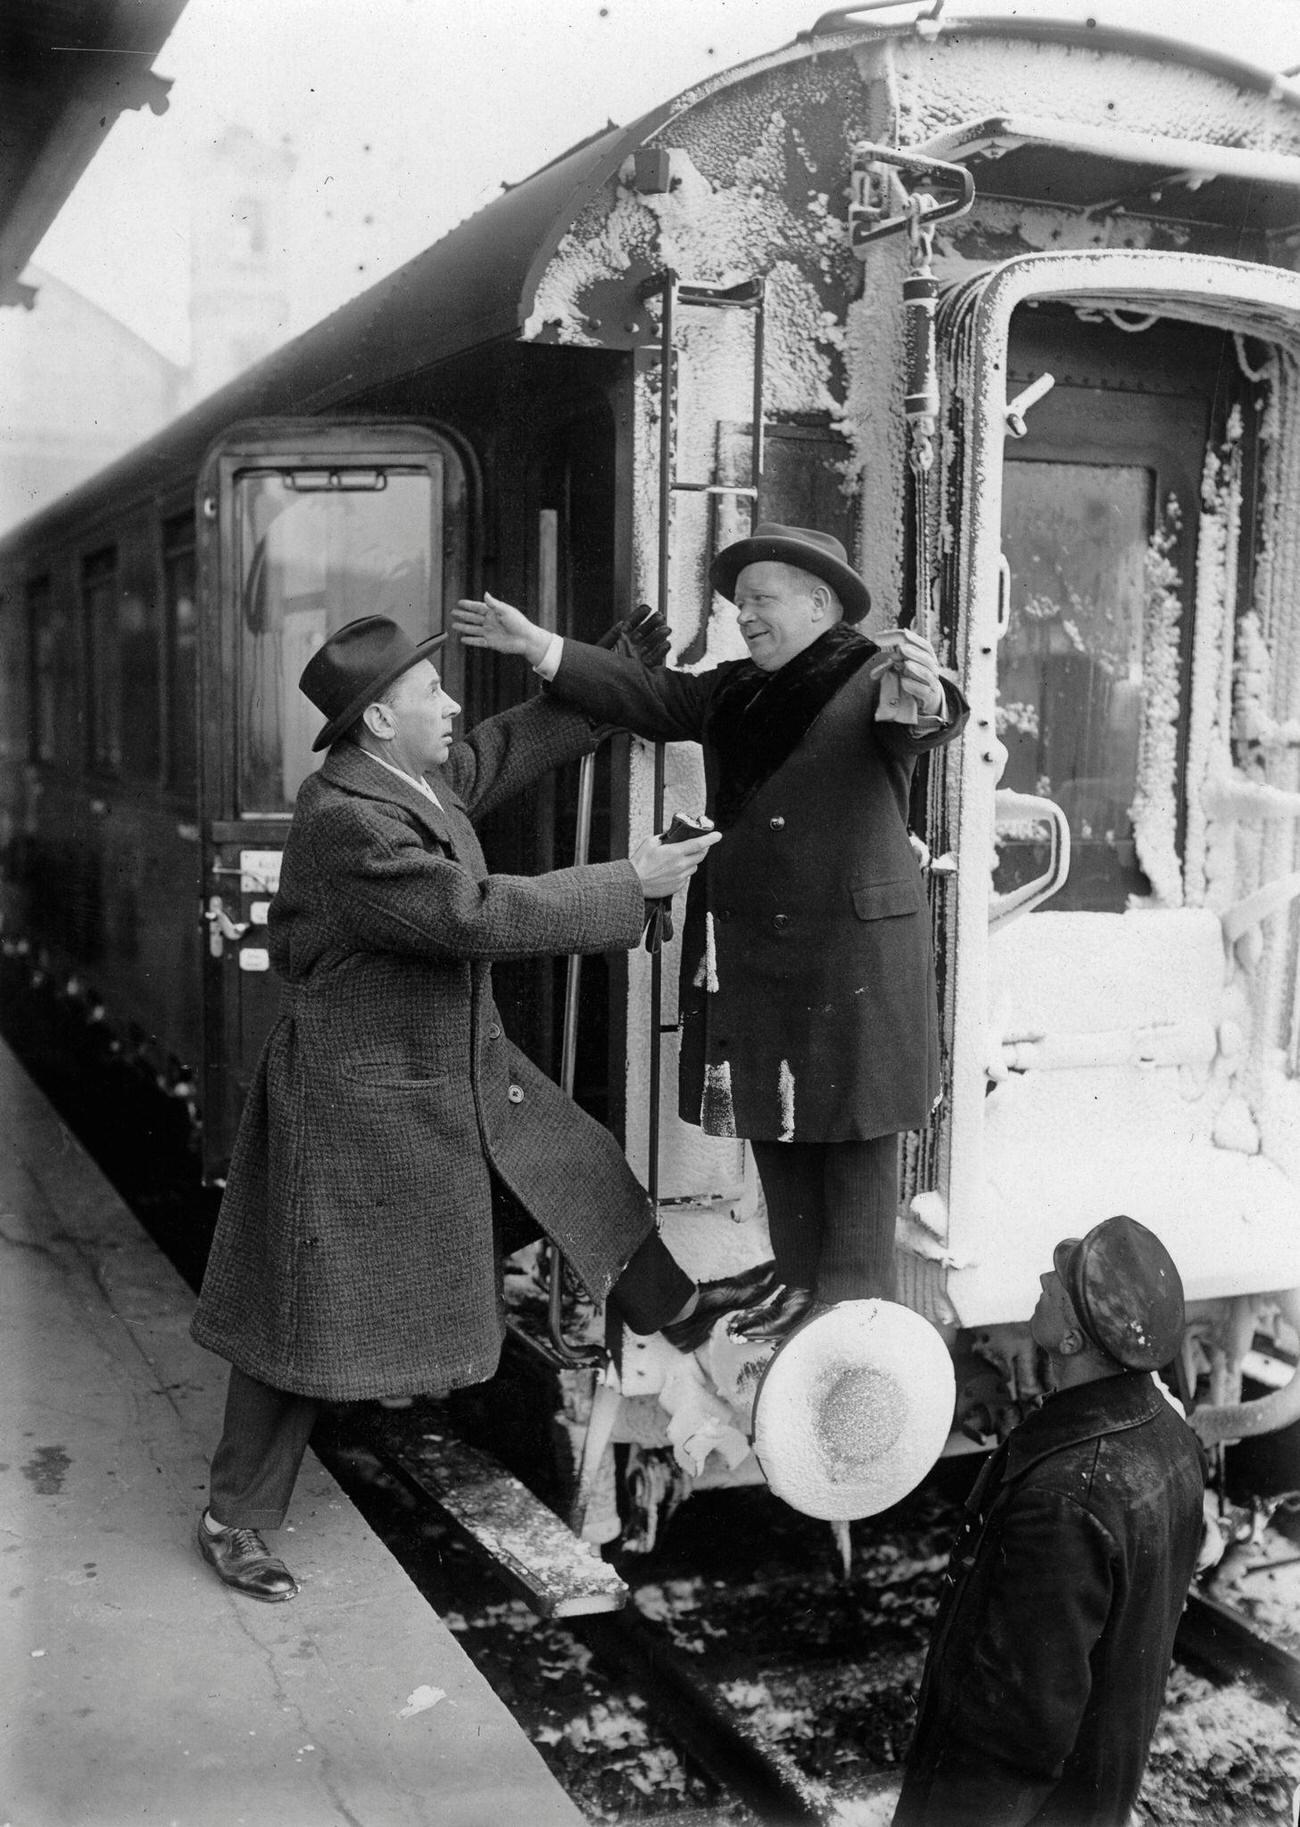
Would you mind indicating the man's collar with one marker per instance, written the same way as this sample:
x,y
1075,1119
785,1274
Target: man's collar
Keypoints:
x,y
350,766
1108,1406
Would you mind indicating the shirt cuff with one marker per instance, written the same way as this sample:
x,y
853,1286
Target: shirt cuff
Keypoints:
x,y
549,664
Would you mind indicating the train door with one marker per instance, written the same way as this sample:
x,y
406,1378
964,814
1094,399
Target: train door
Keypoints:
x,y
1091,1015
569,529
302,527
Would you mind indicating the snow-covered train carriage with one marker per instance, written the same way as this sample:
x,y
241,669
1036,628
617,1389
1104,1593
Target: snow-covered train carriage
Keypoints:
x,y
1012,307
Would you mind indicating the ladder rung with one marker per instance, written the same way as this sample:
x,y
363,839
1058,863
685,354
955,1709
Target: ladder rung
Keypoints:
x,y
743,296
713,488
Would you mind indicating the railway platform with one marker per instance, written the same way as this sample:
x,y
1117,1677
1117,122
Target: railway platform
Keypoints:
x,y
136,1689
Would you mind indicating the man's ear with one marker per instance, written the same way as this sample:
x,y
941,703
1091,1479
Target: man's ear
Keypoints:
x,y
1072,1342
378,719
821,600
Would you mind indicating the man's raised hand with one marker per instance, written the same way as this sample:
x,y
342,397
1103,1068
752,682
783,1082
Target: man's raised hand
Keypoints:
x,y
492,623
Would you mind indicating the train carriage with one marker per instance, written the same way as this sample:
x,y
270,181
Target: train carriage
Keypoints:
x,y
1009,306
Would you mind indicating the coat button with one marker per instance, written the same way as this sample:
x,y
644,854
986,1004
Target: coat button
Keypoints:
x,y
722,913
780,921
494,1032
776,824
516,1094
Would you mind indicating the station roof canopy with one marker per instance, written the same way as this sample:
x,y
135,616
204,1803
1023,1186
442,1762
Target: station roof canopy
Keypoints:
x,y
68,68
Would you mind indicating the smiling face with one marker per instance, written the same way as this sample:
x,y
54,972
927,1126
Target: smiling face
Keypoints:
x,y
414,720
781,610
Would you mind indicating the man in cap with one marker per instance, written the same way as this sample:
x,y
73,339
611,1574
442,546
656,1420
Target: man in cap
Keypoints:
x,y
808,1012
1050,1652
394,1142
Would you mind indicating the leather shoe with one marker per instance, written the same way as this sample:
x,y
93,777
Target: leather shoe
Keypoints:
x,y
777,1318
242,1559
714,1298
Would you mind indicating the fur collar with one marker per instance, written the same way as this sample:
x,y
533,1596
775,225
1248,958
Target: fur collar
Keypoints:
x,y
757,718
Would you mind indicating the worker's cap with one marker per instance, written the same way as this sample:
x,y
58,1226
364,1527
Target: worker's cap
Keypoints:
x,y
355,666
854,1409
804,547
1126,1291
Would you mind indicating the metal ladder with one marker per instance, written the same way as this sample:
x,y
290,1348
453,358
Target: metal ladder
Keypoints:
x,y
677,295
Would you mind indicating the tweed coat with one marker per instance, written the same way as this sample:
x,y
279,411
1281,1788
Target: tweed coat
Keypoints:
x,y
807,977
1050,1652
354,1252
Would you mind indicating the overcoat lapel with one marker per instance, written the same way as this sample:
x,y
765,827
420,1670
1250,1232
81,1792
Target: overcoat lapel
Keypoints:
x,y
349,767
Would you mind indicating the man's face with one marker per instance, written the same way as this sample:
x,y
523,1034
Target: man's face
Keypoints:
x,y
422,715
780,611
1054,1315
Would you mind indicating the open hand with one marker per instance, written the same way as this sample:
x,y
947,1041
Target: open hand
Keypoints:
x,y
914,664
492,623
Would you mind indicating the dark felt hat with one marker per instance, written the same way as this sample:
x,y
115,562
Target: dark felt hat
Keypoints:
x,y
356,664
820,553
1126,1291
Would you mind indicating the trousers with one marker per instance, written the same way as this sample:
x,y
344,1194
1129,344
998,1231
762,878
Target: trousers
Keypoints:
x,y
266,1431
831,1212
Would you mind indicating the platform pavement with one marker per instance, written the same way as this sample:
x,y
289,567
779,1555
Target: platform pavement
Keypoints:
x,y
135,1688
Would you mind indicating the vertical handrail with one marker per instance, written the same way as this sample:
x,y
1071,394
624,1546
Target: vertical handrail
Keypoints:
x,y
667,394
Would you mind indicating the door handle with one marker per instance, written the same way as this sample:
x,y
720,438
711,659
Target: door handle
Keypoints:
x,y
1010,808
221,927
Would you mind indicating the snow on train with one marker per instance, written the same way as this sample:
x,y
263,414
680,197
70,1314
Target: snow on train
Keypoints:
x,y
728,311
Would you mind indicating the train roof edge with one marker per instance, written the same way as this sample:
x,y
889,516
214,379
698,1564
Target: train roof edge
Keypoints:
x,y
488,267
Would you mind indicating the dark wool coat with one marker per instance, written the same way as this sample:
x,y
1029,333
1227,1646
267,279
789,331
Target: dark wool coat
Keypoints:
x,y
354,1252
807,981
1047,1667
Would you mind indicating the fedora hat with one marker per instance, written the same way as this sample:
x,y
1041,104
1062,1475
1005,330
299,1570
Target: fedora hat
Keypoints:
x,y
355,665
1125,1289
820,553
854,1409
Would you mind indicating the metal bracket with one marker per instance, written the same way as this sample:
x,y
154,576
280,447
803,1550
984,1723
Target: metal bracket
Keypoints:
x,y
878,190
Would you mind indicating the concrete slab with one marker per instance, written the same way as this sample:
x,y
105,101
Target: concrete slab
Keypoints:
x,y
133,1687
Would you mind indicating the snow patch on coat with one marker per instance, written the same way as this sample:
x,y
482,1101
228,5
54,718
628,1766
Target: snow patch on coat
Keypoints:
x,y
717,1112
706,974
785,1091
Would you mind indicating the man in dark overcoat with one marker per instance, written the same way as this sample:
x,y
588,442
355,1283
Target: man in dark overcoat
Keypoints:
x,y
808,1010
1052,1644
390,1123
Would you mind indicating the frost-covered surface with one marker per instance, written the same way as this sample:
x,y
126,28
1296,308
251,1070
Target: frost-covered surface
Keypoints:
x,y
1155,804
938,87
1198,1086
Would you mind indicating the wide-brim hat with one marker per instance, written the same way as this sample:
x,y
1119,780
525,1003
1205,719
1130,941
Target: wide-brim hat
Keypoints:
x,y
354,666
820,553
854,1409
1126,1290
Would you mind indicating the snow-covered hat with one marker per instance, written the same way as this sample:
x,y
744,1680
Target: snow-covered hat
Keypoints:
x,y
854,1409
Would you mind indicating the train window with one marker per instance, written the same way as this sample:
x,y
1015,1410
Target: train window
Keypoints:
x,y
182,653
316,549
99,623
139,676
1075,663
41,649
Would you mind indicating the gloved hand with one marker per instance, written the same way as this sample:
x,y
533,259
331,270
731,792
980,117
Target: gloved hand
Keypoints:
x,y
645,636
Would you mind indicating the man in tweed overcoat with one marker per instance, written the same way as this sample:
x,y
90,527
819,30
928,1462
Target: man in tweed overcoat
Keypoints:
x,y
807,988
390,1121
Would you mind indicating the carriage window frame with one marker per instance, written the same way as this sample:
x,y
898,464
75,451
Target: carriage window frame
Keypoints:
x,y
181,725
356,474
97,590
38,603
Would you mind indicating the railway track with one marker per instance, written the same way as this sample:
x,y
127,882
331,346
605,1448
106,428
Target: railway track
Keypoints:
x,y
748,1680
